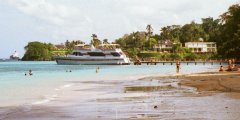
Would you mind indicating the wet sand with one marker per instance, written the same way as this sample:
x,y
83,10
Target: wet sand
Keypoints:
x,y
218,82
193,96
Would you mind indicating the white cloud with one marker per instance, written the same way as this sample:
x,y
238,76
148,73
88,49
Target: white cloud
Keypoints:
x,y
58,20
103,16
42,9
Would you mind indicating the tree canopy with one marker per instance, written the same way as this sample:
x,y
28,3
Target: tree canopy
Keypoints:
x,y
229,43
38,51
225,31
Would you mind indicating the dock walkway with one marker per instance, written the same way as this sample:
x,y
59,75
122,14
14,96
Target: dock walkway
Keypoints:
x,y
174,62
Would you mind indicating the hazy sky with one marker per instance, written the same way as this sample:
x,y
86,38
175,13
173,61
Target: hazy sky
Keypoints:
x,y
55,21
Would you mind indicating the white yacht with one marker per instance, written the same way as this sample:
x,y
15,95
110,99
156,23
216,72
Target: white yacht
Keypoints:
x,y
105,54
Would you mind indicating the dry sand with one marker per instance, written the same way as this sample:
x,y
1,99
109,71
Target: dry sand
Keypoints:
x,y
194,96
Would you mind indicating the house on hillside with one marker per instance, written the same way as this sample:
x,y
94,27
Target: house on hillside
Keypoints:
x,y
60,47
164,46
201,47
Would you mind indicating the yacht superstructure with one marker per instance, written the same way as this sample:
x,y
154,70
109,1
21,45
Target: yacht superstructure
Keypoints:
x,y
105,54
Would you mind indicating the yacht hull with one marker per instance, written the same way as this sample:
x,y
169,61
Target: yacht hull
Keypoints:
x,y
99,61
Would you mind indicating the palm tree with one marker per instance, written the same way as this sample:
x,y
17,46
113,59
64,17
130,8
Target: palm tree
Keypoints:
x,y
67,44
105,41
95,41
94,36
149,31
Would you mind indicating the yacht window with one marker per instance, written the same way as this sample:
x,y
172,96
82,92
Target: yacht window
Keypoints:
x,y
77,54
115,54
74,53
96,54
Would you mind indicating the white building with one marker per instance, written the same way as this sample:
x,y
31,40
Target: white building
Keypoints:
x,y
202,47
164,46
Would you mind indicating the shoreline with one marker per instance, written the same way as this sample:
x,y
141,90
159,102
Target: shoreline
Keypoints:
x,y
152,97
218,82
206,81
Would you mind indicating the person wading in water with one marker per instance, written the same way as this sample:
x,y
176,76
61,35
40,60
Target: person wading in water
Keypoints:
x,y
177,66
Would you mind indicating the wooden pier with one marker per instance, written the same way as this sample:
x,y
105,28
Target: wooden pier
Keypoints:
x,y
174,62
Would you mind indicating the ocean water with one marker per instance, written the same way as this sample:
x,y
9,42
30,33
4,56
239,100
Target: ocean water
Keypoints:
x,y
49,79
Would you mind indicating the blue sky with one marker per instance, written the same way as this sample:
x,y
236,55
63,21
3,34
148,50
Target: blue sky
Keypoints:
x,y
56,21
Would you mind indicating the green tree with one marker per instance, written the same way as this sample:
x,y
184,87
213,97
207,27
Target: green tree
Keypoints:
x,y
67,44
49,46
150,43
192,32
71,44
170,33
230,36
121,42
95,41
105,41
212,28
133,40
37,51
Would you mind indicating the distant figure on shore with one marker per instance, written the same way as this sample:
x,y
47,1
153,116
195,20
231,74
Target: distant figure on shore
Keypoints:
x,y
229,62
177,66
229,68
231,65
233,61
221,69
30,72
25,74
234,68
97,69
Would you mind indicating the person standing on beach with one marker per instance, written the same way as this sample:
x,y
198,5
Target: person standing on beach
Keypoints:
x,y
177,66
233,61
229,62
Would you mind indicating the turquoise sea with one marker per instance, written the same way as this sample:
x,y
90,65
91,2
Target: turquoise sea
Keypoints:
x,y
49,79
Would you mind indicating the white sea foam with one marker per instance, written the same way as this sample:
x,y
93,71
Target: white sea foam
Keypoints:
x,y
64,86
41,102
67,85
46,100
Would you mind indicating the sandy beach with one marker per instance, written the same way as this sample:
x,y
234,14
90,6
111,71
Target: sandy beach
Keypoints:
x,y
211,95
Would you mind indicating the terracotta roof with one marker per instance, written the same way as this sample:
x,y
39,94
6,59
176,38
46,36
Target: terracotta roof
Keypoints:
x,y
60,46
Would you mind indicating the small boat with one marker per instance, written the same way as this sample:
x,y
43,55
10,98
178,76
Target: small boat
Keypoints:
x,y
105,54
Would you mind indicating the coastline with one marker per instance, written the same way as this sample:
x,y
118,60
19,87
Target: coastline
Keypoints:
x,y
180,96
207,81
220,82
